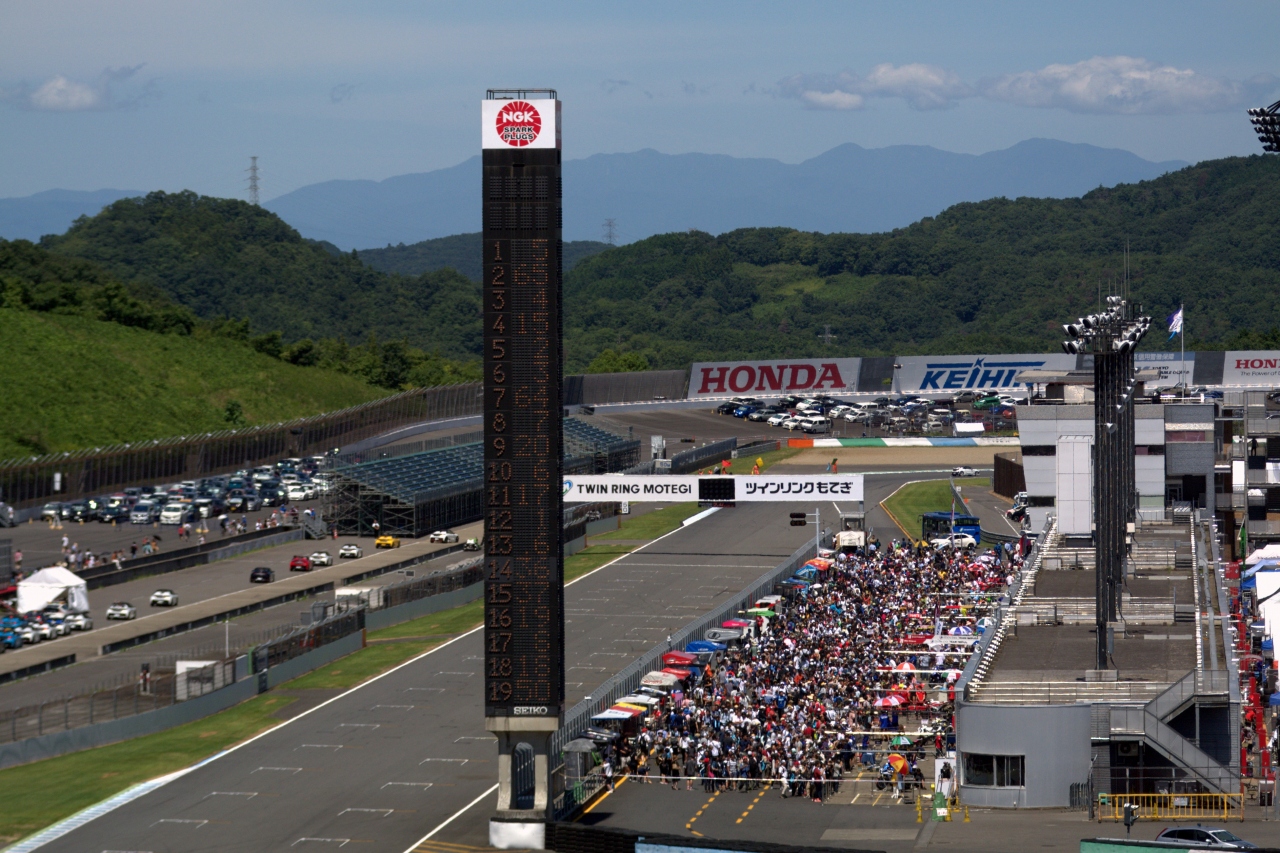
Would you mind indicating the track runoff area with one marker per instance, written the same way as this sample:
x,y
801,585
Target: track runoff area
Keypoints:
x,y
404,758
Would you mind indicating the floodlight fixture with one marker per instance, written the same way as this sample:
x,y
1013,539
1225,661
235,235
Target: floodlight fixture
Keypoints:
x,y
1266,122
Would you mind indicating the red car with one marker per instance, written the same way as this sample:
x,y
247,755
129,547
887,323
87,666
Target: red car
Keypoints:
x,y
300,564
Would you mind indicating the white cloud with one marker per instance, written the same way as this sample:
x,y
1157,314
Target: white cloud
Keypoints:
x,y
1124,85
924,87
62,94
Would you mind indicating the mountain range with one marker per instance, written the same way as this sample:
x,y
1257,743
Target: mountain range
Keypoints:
x,y
846,189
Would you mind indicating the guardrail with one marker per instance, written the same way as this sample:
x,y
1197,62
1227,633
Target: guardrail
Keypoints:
x,y
1172,806
567,800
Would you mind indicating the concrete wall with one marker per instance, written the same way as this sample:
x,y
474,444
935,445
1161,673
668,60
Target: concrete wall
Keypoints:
x,y
113,731
1053,738
376,619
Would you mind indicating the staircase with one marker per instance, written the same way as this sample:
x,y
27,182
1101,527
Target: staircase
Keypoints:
x,y
313,527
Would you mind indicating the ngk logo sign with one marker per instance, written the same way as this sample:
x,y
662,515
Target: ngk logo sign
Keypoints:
x,y
519,124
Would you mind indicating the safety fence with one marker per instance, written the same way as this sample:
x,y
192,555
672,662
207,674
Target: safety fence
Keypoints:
x,y
1008,477
129,696
1173,806
305,638
699,457
599,388
568,794
30,481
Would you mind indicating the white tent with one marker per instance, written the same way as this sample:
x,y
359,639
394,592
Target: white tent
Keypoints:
x,y
48,585
1267,552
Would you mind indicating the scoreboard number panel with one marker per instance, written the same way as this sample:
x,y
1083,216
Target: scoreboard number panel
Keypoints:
x,y
524,549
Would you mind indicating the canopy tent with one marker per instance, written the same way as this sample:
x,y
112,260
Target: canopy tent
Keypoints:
x,y
1269,552
613,714
48,585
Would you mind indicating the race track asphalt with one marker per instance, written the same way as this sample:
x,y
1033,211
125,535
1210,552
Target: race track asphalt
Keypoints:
x,y
382,765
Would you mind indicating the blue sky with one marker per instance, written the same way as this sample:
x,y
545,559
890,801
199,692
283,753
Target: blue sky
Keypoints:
x,y
171,95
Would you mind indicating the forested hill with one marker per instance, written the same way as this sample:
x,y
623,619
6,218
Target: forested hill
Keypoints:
x,y
460,252
999,275
227,258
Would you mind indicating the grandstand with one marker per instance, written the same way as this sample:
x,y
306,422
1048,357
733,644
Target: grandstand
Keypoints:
x,y
417,493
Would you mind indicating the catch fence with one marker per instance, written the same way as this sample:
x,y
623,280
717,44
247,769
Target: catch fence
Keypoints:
x,y
30,481
568,795
131,695
705,456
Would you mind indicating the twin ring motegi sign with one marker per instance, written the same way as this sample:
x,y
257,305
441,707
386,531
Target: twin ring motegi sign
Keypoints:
x,y
685,487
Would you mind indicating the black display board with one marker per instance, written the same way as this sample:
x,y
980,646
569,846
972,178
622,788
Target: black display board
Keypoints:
x,y
523,360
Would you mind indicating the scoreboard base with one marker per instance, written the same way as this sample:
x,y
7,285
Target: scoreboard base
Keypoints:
x,y
517,835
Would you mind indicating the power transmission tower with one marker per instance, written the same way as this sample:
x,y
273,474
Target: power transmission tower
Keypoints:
x,y
253,180
610,232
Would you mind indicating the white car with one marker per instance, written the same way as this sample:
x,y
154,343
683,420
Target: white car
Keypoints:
x,y
78,621
28,634
175,514
350,550
955,540
160,598
777,420
443,536
321,558
44,630
791,423
122,610
963,471
296,492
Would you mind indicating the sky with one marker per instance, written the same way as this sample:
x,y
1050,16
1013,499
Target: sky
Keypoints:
x,y
169,94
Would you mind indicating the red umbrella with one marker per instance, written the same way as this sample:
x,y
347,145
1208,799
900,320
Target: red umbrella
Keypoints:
x,y
891,701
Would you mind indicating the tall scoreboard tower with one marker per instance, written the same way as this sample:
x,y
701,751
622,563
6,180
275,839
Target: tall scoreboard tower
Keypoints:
x,y
524,542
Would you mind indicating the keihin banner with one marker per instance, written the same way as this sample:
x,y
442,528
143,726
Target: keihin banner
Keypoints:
x,y
1173,369
781,376
972,372
747,487
1257,368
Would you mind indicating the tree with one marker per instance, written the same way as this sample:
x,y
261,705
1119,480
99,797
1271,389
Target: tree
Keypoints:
x,y
610,361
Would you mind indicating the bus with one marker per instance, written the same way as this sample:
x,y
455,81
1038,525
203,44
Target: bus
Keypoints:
x,y
935,525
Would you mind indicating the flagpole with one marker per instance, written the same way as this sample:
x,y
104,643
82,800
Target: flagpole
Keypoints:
x,y
1182,338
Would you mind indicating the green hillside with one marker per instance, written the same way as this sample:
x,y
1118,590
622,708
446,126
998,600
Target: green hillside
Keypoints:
x,y
73,382
999,275
995,276
460,252
227,258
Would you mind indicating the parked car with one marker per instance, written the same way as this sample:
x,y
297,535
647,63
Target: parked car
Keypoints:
x,y
10,638
122,610
955,540
443,536
963,471
262,574
778,419
321,558
300,564
164,598
471,544
987,401
144,512
51,511
386,540
727,408
78,621
1207,837
177,513
116,514
350,551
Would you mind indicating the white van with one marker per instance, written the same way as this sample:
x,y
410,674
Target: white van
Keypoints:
x,y
175,513
816,423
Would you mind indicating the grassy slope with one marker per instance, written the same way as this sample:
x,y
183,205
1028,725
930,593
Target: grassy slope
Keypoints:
x,y
47,791
914,499
71,382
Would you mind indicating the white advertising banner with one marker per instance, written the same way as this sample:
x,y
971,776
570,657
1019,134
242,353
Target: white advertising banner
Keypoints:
x,y
1257,368
1174,370
781,376
533,123
972,372
747,487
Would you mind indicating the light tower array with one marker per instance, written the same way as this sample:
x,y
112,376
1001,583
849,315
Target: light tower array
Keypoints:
x,y
1266,121
1111,338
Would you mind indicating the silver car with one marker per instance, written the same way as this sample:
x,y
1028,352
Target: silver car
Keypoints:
x,y
122,610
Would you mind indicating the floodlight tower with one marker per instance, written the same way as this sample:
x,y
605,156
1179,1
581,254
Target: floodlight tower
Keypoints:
x,y
1111,336
1266,121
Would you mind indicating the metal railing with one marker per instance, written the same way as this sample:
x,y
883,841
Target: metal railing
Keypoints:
x,y
566,800
1172,806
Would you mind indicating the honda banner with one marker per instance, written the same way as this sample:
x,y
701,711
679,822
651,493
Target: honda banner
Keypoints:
x,y
781,376
1256,368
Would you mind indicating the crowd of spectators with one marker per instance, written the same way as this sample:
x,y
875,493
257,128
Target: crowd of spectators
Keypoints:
x,y
857,669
